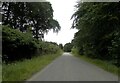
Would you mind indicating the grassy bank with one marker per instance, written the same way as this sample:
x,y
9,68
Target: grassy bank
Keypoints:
x,y
0,72
23,70
102,64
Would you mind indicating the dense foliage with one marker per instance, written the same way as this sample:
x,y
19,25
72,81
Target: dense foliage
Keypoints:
x,y
18,45
99,30
68,47
22,15
24,25
61,46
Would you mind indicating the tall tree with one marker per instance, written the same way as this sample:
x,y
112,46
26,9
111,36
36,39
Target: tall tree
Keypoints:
x,y
98,24
38,15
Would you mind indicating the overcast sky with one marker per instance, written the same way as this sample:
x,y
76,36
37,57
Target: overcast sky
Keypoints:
x,y
63,10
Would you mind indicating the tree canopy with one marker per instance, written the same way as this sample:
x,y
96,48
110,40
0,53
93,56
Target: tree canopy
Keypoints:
x,y
37,15
98,27
61,46
68,47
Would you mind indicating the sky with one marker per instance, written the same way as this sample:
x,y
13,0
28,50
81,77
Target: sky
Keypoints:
x,y
63,10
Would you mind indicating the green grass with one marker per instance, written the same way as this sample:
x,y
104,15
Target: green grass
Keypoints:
x,y
102,64
23,70
0,72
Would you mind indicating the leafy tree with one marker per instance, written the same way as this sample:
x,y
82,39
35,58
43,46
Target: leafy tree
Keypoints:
x,y
38,15
61,46
42,17
68,47
98,24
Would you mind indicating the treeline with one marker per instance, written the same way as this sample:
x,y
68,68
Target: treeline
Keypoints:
x,y
18,45
68,47
24,26
98,33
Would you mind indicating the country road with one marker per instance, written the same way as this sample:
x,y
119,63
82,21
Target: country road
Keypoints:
x,y
70,68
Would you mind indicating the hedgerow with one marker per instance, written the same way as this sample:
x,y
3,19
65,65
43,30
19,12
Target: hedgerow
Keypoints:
x,y
19,45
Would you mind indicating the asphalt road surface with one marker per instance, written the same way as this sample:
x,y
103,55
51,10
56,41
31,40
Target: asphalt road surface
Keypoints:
x,y
70,68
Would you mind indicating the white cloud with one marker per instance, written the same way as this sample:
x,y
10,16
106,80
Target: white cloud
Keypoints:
x,y
63,10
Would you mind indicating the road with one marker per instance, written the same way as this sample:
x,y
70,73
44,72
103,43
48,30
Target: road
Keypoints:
x,y
70,68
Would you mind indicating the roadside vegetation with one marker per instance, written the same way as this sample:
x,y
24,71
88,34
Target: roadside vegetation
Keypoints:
x,y
67,47
19,46
107,66
24,51
22,70
0,42
98,36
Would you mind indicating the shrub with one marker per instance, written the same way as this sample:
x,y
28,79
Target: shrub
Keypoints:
x,y
17,45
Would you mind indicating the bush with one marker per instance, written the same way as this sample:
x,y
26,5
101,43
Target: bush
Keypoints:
x,y
50,47
114,50
17,45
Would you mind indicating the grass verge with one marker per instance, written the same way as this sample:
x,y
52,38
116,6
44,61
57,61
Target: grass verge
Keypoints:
x,y
0,72
23,70
102,64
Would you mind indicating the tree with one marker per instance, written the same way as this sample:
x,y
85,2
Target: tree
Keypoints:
x,y
98,24
61,46
68,47
39,16
13,14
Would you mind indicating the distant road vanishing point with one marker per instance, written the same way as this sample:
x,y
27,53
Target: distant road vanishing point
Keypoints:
x,y
70,68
